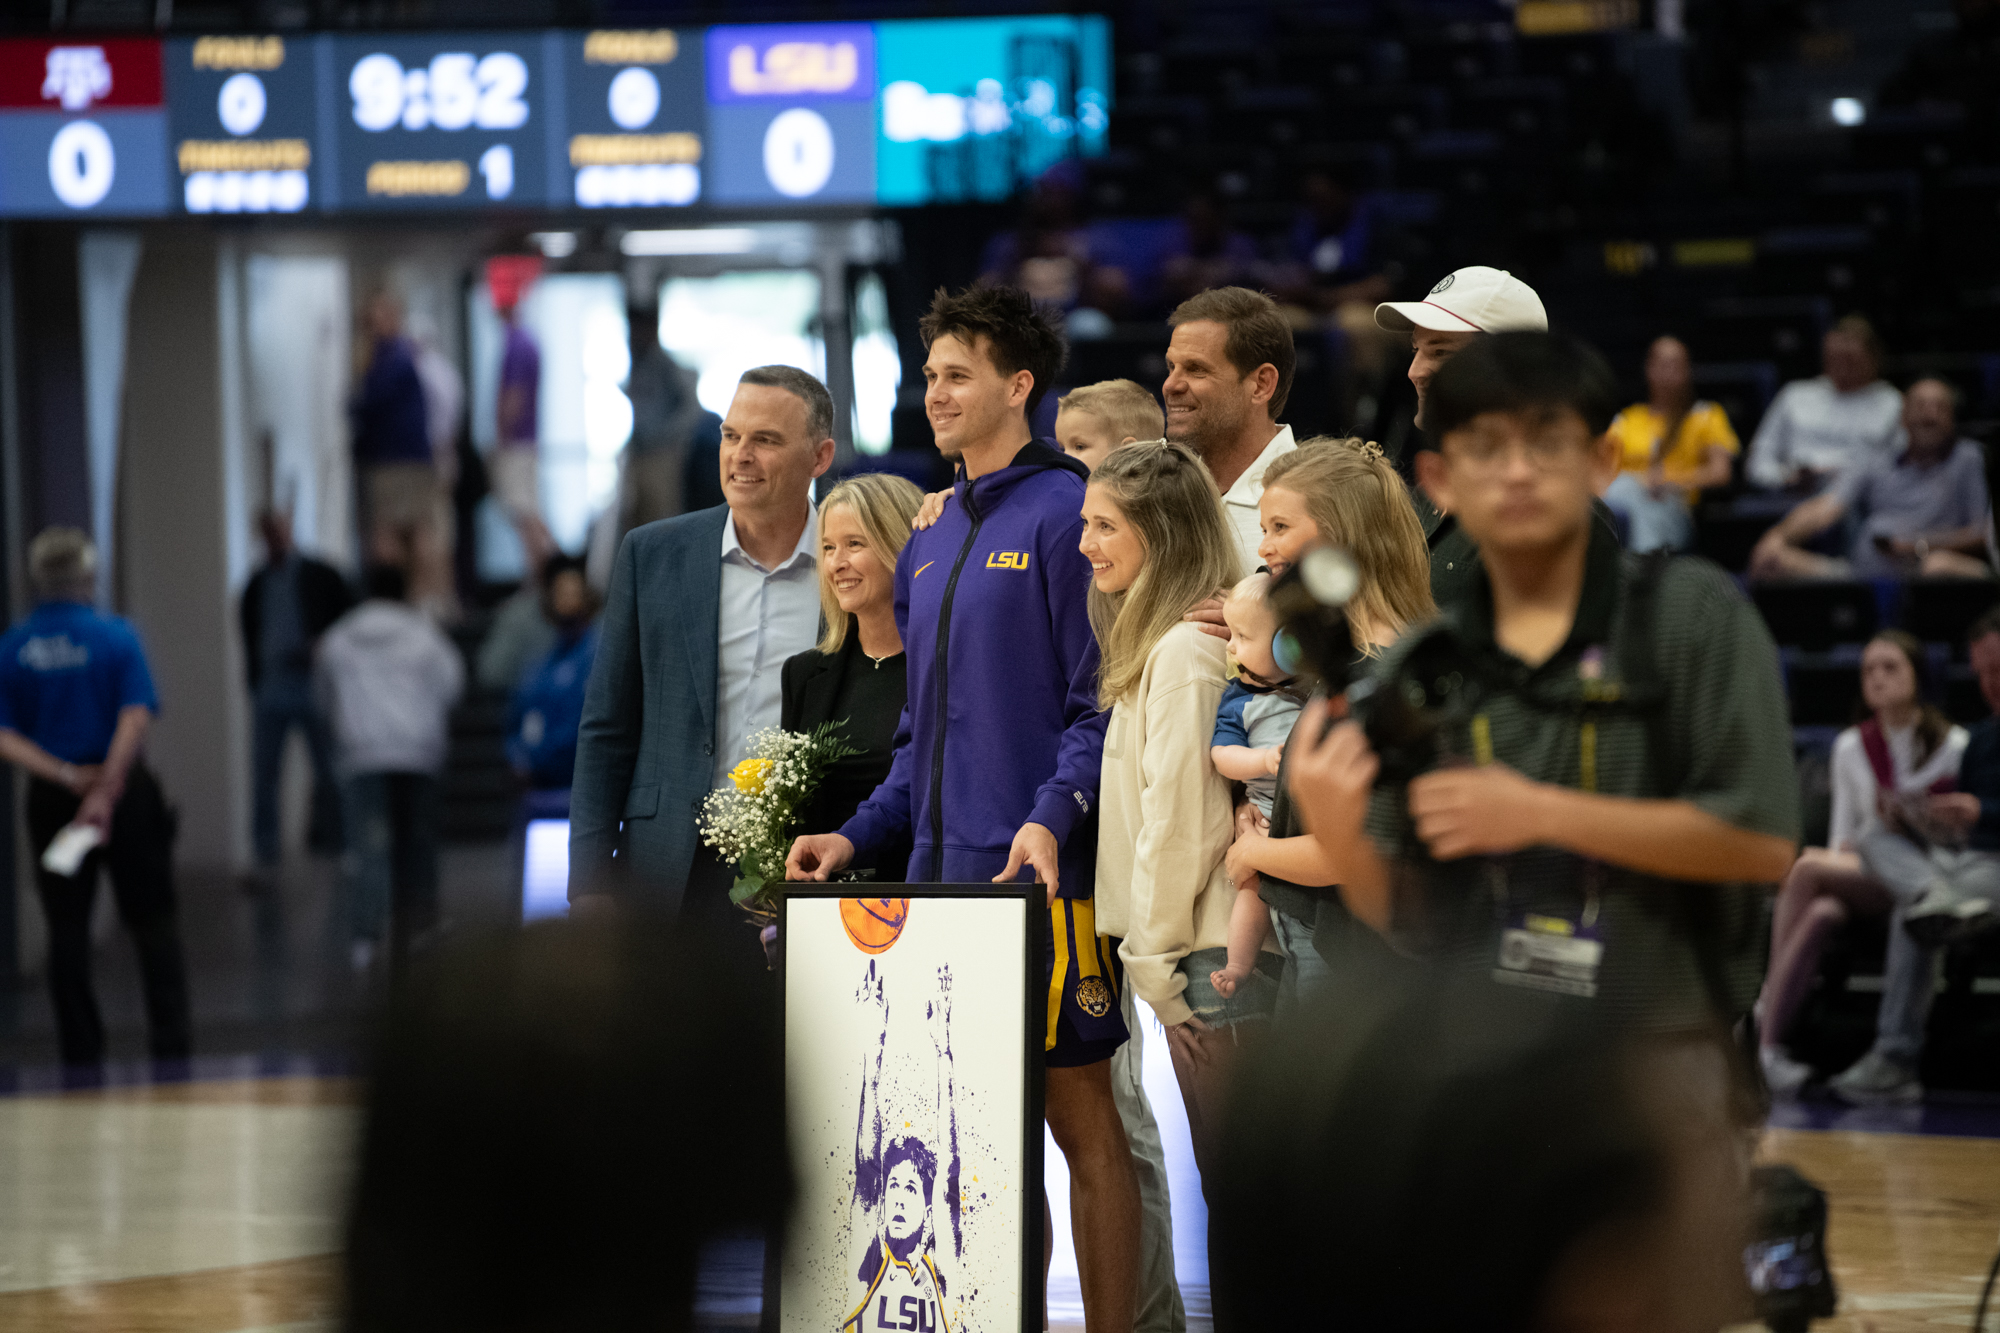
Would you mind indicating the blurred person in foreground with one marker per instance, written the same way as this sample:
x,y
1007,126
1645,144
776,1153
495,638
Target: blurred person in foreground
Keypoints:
x,y
1412,1154
532,1159
1919,512
1673,447
1816,429
703,613
547,707
1464,305
857,675
388,678
1608,786
76,702
1886,770
288,604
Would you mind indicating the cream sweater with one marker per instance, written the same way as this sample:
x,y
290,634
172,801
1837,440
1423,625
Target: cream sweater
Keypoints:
x,y
1164,820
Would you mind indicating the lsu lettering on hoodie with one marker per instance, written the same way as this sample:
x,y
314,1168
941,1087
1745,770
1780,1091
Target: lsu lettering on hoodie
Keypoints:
x,y
1002,726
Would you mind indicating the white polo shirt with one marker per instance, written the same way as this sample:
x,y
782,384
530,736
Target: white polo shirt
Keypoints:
x,y
1239,502
767,615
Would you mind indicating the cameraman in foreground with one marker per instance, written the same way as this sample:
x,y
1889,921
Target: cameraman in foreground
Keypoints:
x,y
1591,777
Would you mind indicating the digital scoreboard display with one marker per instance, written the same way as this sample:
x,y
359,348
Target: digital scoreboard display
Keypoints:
x,y
637,131
751,116
440,121
240,124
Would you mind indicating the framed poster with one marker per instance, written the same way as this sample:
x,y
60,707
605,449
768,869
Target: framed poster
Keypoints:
x,y
913,1089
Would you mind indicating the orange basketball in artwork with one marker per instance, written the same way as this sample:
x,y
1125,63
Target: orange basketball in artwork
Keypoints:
x,y
874,923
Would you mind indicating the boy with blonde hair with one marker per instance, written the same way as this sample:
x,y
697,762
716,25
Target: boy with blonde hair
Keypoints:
x,y
1097,418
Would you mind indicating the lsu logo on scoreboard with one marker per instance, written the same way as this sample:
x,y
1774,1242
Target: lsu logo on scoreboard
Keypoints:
x,y
1007,560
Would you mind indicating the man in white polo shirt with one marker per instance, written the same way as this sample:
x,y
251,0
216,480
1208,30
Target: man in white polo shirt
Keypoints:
x,y
1229,371
1464,305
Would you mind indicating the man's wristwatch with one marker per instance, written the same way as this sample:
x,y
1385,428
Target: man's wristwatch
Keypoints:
x,y
1923,549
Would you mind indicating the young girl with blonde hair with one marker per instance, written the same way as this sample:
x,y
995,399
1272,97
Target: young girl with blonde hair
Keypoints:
x,y
1345,492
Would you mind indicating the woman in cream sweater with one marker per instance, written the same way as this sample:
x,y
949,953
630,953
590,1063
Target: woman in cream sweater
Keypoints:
x,y
1158,544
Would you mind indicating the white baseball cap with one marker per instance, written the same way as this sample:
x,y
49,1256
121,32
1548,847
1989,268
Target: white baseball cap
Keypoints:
x,y
1472,300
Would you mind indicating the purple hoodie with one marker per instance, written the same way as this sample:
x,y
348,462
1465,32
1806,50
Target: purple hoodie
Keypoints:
x,y
1002,726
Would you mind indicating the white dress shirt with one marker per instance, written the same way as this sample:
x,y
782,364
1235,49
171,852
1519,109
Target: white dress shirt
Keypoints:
x,y
767,615
1239,502
1811,424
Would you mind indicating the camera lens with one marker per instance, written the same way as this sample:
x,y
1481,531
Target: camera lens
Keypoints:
x,y
1329,575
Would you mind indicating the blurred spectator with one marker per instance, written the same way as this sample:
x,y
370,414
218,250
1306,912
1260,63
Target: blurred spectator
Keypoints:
x,y
288,603
1952,70
76,701
394,457
519,636
388,678
431,584
1048,254
1093,420
531,1154
669,427
1418,1154
547,707
1208,252
1897,759
1816,428
1919,511
1954,894
1332,245
514,466
1674,447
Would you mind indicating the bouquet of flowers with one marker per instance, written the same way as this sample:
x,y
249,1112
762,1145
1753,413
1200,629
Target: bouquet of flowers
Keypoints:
x,y
750,822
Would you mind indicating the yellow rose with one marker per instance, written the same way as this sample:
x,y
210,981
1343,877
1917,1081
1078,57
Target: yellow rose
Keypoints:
x,y
750,776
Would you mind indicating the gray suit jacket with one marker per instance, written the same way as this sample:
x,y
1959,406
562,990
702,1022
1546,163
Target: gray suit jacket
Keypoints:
x,y
646,747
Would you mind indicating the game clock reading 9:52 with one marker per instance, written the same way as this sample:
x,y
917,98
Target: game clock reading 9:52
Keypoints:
x,y
440,121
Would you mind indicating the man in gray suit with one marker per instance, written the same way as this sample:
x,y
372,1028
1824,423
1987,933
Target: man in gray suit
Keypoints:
x,y
703,611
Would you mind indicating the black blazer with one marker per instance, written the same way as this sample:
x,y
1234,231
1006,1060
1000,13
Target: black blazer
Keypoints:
x,y
812,683
324,597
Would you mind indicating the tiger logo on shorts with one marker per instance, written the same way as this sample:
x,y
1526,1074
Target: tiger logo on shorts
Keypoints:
x,y
1093,996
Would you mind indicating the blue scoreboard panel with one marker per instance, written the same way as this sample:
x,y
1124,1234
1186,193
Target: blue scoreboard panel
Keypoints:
x,y
753,116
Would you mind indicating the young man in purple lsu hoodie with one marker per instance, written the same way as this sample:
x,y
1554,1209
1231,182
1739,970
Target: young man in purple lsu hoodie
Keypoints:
x,y
998,753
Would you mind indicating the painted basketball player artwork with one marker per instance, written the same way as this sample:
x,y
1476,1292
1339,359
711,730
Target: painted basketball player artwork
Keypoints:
x,y
904,1088
900,1195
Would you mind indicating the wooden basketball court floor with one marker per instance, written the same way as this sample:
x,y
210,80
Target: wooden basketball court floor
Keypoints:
x,y
213,1206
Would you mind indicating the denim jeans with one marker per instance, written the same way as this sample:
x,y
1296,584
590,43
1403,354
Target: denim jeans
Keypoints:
x,y
1910,978
1655,522
392,852
1305,971
282,702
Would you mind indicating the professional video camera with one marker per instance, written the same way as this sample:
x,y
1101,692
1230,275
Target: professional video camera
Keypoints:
x,y
1408,719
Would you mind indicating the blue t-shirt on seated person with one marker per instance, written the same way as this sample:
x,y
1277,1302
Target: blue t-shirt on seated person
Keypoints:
x,y
66,672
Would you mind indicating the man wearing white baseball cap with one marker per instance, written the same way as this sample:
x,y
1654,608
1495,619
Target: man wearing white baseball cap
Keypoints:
x,y
1463,305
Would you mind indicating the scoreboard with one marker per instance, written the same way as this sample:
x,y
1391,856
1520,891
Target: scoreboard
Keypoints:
x,y
766,116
